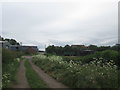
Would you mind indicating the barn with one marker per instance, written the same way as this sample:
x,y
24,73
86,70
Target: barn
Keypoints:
x,y
26,49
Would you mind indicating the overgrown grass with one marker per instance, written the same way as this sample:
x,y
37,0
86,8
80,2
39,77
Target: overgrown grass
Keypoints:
x,y
9,74
10,64
33,78
8,56
95,74
105,56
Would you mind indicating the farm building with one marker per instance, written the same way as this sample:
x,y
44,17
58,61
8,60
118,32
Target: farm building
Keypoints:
x,y
27,49
41,52
4,44
87,52
15,47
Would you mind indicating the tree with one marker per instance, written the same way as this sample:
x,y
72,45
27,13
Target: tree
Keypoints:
x,y
102,48
93,47
12,41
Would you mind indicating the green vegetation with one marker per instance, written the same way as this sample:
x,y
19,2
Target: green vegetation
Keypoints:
x,y
74,66
104,56
33,78
8,56
11,41
78,50
10,64
94,74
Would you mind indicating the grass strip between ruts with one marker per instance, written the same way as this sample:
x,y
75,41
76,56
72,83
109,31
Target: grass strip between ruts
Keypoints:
x,y
33,78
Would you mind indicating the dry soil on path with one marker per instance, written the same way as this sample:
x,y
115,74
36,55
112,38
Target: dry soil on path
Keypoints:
x,y
22,80
51,82
21,77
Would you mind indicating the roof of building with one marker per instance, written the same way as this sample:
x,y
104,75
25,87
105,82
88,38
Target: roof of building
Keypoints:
x,y
4,42
29,46
22,46
14,45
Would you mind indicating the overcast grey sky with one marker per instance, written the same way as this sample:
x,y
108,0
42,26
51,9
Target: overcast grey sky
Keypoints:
x,y
60,23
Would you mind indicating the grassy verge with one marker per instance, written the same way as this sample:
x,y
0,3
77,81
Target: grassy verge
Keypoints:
x,y
95,74
9,73
105,56
10,64
33,79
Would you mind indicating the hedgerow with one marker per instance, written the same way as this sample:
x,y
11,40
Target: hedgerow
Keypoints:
x,y
10,64
94,74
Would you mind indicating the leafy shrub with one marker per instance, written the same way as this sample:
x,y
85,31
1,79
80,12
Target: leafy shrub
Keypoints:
x,y
94,74
10,64
8,56
9,73
110,55
105,56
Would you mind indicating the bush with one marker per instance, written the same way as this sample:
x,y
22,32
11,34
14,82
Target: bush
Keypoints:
x,y
10,64
95,74
110,55
8,56
9,73
105,56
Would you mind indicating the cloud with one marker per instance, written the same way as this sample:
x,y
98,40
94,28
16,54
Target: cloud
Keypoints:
x,y
44,23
